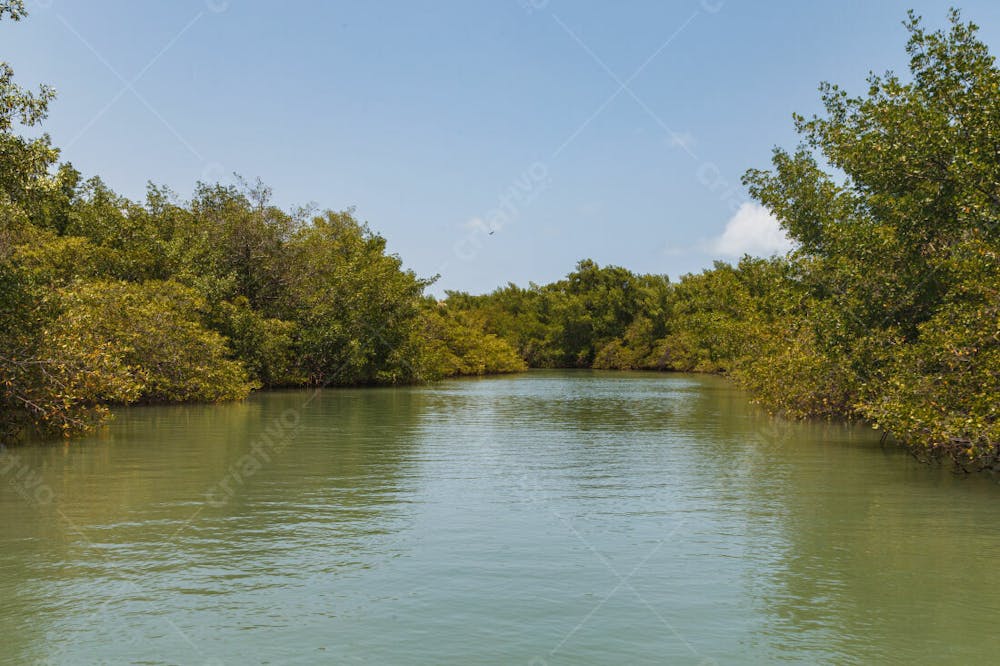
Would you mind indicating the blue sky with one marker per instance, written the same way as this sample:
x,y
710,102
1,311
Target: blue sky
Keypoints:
x,y
569,129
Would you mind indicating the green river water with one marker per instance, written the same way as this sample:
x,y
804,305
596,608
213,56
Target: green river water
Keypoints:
x,y
545,518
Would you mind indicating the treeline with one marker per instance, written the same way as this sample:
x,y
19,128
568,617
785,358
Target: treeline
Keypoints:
x,y
105,300
887,311
889,308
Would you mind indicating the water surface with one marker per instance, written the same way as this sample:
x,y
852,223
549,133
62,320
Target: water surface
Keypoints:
x,y
546,518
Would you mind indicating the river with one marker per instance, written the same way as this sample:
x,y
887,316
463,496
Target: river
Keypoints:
x,y
554,517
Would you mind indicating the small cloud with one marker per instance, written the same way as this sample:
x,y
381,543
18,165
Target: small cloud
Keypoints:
x,y
752,230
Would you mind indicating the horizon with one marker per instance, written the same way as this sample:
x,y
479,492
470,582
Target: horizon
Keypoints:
x,y
489,144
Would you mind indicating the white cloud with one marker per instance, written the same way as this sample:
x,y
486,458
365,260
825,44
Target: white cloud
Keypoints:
x,y
752,230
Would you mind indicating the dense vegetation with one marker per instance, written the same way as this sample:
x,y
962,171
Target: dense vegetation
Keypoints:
x,y
104,300
887,311
889,308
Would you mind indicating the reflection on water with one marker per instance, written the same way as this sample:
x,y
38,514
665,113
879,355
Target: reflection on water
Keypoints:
x,y
554,517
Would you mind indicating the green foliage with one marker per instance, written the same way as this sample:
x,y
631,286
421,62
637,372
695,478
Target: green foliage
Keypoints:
x,y
355,306
268,348
455,343
632,351
48,381
522,317
61,260
898,261
156,330
246,241
940,393
567,323
25,162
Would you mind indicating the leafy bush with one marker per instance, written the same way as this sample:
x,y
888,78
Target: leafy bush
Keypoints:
x,y
456,344
155,329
